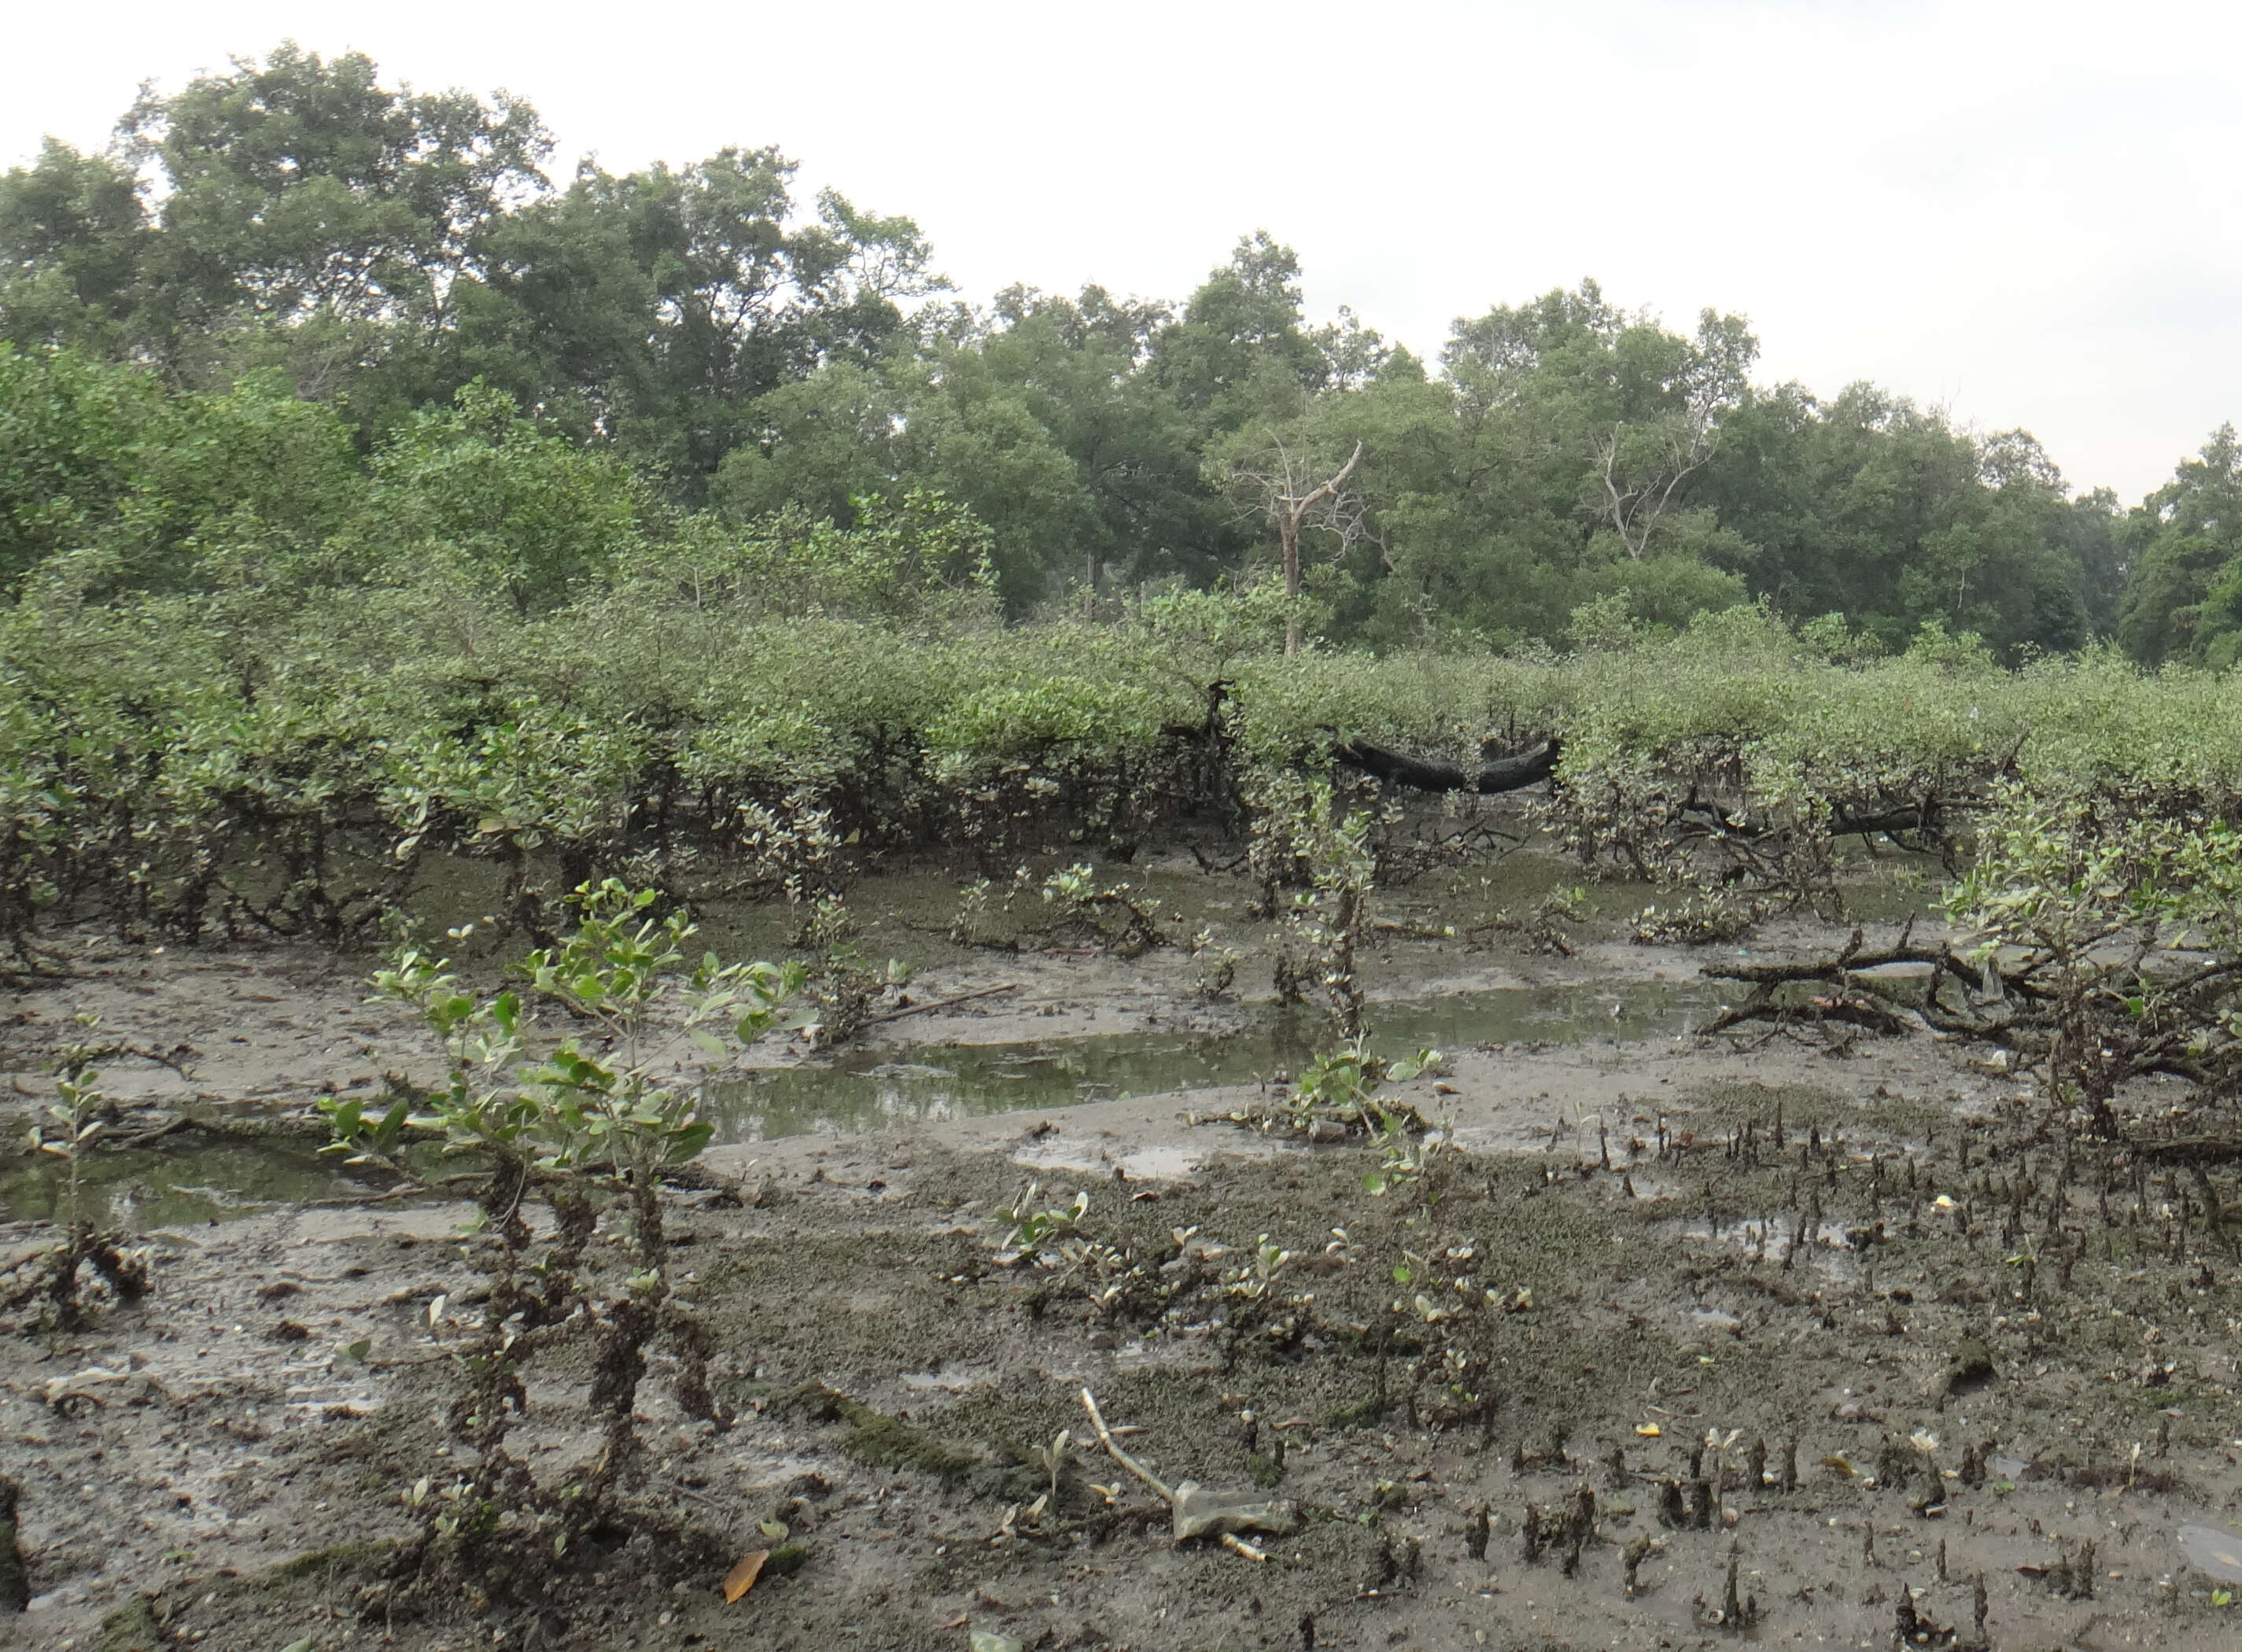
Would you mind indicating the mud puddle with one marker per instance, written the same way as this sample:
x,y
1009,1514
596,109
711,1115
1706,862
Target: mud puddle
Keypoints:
x,y
872,1089
176,1185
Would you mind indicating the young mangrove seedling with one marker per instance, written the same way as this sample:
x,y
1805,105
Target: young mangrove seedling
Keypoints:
x,y
73,1122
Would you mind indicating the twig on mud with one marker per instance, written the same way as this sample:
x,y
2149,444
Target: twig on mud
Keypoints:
x,y
177,1123
939,1003
1113,1449
411,1186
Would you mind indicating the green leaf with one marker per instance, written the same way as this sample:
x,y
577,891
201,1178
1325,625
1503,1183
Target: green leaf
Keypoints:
x,y
688,1142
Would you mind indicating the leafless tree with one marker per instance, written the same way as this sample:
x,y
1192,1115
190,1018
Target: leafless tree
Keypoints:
x,y
1663,457
1642,466
1284,486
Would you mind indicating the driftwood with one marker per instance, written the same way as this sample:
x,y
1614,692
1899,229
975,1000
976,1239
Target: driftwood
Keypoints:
x,y
1847,1002
933,1004
2009,1004
1503,774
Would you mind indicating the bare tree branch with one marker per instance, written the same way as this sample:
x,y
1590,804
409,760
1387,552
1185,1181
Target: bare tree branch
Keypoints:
x,y
1295,501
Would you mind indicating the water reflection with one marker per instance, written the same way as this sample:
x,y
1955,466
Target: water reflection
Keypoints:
x,y
870,1090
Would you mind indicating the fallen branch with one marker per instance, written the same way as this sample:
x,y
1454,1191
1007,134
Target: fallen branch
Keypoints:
x,y
939,1003
1113,1449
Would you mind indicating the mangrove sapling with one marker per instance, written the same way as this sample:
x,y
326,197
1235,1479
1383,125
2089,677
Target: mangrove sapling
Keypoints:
x,y
1253,1289
1034,1230
1445,1302
1116,917
1702,918
1541,926
2111,937
845,986
1217,967
585,1127
1341,1088
1111,1276
1301,837
74,1120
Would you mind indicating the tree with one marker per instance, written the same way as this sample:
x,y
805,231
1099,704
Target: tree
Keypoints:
x,y
1239,353
1644,463
1283,483
480,488
661,305
2189,534
71,430
73,233
307,207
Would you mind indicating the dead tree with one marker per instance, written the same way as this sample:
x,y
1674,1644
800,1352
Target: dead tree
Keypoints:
x,y
1643,465
1636,502
1286,487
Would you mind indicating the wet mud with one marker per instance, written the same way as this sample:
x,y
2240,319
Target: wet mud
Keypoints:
x,y
1757,1342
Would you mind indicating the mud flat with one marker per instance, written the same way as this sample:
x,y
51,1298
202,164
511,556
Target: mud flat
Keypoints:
x,y
1788,1337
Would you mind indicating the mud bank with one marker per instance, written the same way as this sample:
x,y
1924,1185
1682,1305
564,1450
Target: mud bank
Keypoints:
x,y
1852,1332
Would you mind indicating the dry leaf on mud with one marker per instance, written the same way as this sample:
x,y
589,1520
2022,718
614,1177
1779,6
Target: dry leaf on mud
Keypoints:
x,y
742,1578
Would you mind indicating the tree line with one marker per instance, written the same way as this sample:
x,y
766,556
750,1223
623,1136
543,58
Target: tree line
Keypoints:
x,y
297,325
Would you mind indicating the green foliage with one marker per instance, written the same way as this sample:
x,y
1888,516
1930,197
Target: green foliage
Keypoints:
x,y
1343,1083
1312,859
367,502
590,1121
477,487
2122,927
142,489
2185,600
202,761
923,556
695,337
568,1110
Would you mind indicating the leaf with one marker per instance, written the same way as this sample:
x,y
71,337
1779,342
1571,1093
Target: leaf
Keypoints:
x,y
688,1142
776,1530
742,1578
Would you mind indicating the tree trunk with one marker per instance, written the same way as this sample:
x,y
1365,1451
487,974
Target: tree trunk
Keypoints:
x,y
1503,774
1288,532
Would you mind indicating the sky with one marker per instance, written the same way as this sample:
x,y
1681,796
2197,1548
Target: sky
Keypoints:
x,y
2026,214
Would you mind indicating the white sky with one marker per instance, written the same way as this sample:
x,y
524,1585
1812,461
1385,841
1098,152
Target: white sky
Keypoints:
x,y
2026,212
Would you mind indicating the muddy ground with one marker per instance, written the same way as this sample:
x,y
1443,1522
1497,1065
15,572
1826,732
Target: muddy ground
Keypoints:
x,y
1989,1357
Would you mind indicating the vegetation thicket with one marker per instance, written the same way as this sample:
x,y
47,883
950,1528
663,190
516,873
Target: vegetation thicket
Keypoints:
x,y
369,504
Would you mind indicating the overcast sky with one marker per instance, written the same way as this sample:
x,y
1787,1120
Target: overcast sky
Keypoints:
x,y
2027,213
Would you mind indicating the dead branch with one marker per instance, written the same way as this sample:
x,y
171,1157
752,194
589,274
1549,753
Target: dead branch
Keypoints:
x,y
1113,1449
